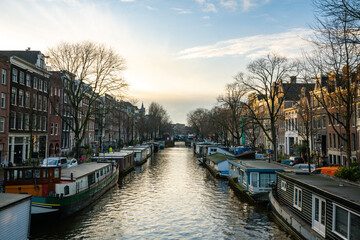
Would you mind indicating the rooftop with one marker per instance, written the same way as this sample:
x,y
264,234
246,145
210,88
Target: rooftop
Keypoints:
x,y
82,170
216,158
261,164
7,199
335,186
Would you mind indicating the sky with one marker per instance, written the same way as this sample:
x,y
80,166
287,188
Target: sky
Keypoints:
x,y
179,53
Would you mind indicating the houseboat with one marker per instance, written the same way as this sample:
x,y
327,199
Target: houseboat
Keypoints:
x,y
255,177
317,206
141,153
124,160
11,207
61,192
218,164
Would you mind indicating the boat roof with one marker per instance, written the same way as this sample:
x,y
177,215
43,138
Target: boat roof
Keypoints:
x,y
328,184
218,157
82,170
114,154
7,199
261,164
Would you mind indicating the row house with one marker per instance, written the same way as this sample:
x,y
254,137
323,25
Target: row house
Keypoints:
x,y
27,101
36,115
302,117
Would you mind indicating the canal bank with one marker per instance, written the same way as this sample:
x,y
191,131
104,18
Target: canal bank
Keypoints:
x,y
169,197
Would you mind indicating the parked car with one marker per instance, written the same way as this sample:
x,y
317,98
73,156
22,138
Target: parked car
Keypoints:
x,y
72,162
297,160
326,170
54,161
288,162
305,166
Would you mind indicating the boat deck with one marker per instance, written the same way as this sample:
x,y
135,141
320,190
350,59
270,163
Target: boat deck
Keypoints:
x,y
82,170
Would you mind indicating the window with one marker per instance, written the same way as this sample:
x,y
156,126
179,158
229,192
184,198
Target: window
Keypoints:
x,y
13,96
39,123
56,174
21,98
35,81
56,129
3,99
27,99
40,85
22,78
45,104
345,223
52,128
14,75
26,121
283,185
19,119
2,124
33,126
40,106
297,198
12,120
34,101
45,86
3,77
323,121
266,179
44,121
28,80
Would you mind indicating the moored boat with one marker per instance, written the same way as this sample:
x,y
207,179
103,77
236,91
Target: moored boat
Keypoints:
x,y
61,192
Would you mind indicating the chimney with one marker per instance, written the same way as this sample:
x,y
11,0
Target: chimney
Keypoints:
x,y
293,79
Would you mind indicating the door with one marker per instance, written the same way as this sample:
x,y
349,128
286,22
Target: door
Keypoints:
x,y
254,179
18,154
318,214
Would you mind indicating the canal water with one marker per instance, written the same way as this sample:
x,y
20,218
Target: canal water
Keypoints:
x,y
169,197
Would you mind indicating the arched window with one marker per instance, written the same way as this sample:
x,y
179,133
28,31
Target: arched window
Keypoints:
x,y
66,190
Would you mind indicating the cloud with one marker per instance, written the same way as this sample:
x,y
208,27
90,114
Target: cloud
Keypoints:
x,y
232,4
288,44
127,0
206,6
206,17
151,8
247,4
181,11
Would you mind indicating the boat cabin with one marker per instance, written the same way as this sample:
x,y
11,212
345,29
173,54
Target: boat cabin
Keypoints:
x,y
329,207
256,176
124,159
219,163
36,181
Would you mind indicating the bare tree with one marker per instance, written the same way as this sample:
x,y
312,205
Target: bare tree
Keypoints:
x,y
198,120
231,100
264,78
95,70
159,120
336,60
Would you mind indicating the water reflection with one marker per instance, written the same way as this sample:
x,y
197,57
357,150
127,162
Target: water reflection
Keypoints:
x,y
169,197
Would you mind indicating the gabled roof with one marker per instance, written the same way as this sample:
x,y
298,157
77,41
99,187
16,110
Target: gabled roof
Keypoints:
x,y
29,56
293,90
218,157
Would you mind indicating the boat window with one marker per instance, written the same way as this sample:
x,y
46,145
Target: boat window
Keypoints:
x,y
101,172
15,174
37,173
91,179
20,174
56,175
8,175
97,174
66,190
28,174
45,173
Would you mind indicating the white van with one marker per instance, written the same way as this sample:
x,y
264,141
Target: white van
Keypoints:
x,y
54,161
